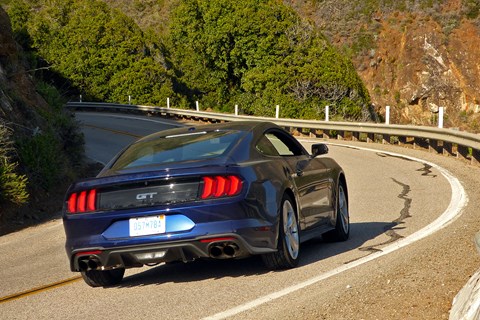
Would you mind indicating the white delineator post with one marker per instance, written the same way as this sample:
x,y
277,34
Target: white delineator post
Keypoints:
x,y
387,115
440,117
277,111
197,106
168,103
327,110
236,109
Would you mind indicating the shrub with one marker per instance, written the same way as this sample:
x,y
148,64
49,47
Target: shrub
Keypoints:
x,y
13,186
42,159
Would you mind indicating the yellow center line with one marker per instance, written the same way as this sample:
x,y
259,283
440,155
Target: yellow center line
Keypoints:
x,y
111,130
36,290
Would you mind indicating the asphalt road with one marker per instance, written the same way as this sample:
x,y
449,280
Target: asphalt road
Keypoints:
x,y
393,201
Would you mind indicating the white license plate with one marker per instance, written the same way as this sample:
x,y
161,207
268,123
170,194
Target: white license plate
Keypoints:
x,y
147,225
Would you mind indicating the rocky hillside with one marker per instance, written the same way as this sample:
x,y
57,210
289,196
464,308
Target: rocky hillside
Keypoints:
x,y
20,103
415,56
40,148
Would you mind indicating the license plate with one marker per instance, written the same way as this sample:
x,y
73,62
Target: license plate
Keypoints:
x,y
147,225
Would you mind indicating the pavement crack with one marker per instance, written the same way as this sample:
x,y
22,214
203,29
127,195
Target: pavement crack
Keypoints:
x,y
389,229
426,171
407,202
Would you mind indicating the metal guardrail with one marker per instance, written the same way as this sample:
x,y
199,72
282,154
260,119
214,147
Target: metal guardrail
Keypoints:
x,y
446,141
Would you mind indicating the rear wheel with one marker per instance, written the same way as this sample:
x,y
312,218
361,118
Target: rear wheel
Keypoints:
x,y
288,247
103,278
342,225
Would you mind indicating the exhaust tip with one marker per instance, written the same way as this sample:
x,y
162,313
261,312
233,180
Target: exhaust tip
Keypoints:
x,y
216,251
83,265
223,250
93,264
230,250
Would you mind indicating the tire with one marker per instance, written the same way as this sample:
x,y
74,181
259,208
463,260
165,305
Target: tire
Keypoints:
x,y
103,278
342,224
288,247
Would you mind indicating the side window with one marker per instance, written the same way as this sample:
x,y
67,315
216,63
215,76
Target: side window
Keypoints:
x,y
279,145
284,144
266,147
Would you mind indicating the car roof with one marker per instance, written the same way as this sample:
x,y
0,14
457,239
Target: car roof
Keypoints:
x,y
246,126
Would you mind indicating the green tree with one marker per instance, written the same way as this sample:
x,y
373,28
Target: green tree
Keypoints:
x,y
95,47
259,54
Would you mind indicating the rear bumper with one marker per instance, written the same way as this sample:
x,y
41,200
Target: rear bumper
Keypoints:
x,y
254,230
221,246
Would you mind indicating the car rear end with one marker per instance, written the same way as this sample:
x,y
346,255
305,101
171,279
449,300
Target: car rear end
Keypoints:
x,y
165,210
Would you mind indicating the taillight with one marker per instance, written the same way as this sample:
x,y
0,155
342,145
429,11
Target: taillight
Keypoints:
x,y
83,201
220,186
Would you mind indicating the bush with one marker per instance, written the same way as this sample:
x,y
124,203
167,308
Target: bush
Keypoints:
x,y
42,158
13,186
257,55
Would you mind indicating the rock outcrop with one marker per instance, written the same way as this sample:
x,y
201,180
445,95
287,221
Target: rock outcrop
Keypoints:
x,y
412,57
19,100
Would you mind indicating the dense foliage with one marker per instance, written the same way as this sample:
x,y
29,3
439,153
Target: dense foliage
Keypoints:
x,y
13,186
259,54
256,54
100,51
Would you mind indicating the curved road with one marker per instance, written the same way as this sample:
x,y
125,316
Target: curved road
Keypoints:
x,y
391,199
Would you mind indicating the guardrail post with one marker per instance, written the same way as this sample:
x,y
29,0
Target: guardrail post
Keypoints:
x,y
277,111
462,152
168,103
421,143
327,111
402,140
440,117
355,136
475,157
385,138
433,146
447,149
197,106
387,115
236,109
370,137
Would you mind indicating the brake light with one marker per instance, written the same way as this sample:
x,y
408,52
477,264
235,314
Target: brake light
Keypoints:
x,y
91,200
88,253
81,199
72,203
84,201
209,240
220,186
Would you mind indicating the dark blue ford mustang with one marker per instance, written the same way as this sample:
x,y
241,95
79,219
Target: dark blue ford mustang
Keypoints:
x,y
217,191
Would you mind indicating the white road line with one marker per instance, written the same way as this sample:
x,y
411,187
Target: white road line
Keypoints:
x,y
458,202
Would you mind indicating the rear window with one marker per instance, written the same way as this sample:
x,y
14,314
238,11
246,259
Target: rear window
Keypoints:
x,y
177,148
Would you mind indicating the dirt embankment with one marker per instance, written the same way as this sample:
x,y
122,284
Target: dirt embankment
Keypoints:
x,y
412,57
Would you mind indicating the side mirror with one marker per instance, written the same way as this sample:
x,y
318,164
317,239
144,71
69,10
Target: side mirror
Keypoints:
x,y
319,149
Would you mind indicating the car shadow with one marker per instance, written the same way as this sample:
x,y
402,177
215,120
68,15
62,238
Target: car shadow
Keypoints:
x,y
312,251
